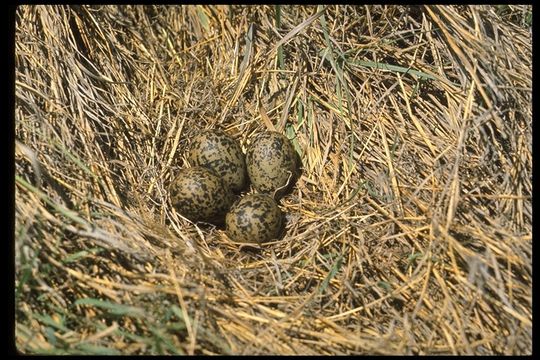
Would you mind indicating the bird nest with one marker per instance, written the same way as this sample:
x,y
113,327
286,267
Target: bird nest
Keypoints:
x,y
408,232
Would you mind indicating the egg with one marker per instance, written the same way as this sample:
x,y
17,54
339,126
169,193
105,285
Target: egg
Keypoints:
x,y
254,218
199,194
218,151
271,163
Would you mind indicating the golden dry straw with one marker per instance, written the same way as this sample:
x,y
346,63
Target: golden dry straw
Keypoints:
x,y
408,232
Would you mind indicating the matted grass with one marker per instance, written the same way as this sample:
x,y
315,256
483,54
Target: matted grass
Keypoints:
x,y
409,231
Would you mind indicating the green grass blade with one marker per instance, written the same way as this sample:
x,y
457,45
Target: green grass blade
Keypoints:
x,y
385,286
203,18
89,349
394,68
163,342
57,207
291,135
281,64
335,268
82,254
341,87
47,320
74,158
116,309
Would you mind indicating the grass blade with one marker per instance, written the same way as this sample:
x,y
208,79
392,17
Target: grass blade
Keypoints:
x,y
296,30
281,64
116,309
333,271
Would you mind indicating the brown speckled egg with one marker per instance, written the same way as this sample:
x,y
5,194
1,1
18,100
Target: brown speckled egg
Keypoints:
x,y
200,195
255,218
270,160
220,152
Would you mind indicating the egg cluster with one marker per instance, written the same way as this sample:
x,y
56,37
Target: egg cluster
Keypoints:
x,y
220,171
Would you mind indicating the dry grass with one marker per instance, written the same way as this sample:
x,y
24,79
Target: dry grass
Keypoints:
x,y
409,231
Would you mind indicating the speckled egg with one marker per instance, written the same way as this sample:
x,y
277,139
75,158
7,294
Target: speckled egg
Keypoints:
x,y
200,195
270,160
218,151
255,218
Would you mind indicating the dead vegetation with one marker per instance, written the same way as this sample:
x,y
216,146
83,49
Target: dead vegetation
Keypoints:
x,y
409,231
